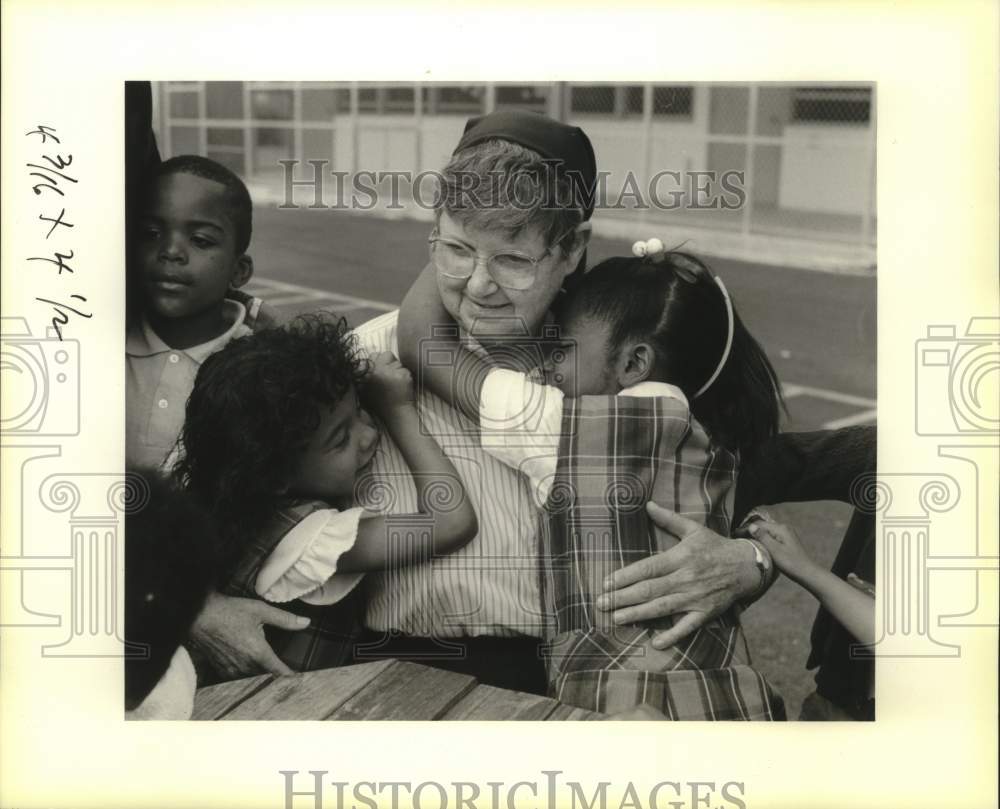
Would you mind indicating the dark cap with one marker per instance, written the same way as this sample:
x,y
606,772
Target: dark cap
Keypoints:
x,y
548,137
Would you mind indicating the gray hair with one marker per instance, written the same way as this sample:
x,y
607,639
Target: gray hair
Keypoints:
x,y
502,186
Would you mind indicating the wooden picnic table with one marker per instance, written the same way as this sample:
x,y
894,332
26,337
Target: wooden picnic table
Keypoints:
x,y
384,689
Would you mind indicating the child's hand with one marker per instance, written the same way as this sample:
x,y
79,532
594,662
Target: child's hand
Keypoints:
x,y
784,546
388,385
853,608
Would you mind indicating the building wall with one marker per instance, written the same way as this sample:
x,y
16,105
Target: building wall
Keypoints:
x,y
807,151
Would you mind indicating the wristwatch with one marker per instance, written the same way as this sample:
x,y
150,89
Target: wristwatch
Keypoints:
x,y
765,567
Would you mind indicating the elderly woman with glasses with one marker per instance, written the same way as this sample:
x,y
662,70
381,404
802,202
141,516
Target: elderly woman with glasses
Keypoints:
x,y
511,232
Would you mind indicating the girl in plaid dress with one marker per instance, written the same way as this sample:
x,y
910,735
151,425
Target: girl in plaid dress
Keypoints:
x,y
655,390
275,437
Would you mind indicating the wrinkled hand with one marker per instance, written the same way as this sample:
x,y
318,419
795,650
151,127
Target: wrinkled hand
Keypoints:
x,y
388,385
698,579
229,632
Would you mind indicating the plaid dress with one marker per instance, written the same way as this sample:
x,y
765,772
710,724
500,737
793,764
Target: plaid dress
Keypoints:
x,y
615,454
329,639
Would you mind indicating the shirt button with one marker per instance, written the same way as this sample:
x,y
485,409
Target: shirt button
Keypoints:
x,y
174,358
162,404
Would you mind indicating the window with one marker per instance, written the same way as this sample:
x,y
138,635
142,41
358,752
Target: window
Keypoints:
x,y
383,100
324,104
270,146
183,105
225,145
676,101
399,100
273,138
832,105
224,99
454,99
522,96
367,99
222,136
628,100
593,99
272,105
184,140
633,99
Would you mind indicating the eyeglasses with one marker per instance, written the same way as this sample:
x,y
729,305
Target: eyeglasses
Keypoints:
x,y
510,269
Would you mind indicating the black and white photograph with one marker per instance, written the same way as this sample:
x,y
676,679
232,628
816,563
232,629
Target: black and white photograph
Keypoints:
x,y
535,401
499,406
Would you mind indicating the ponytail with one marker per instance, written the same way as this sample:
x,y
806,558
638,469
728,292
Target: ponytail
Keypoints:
x,y
742,407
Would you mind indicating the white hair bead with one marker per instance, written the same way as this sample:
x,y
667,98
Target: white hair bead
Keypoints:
x,y
654,246
639,249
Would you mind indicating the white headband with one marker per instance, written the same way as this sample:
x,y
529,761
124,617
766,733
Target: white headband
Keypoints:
x,y
654,250
730,325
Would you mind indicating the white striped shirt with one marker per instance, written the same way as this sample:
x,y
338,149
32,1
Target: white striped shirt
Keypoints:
x,y
489,587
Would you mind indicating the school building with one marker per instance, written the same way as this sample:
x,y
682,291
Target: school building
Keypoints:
x,y
801,157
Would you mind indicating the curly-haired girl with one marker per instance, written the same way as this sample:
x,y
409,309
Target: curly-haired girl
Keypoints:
x,y
275,437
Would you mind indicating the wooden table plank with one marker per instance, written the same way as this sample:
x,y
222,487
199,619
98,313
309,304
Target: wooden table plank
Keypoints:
x,y
383,689
487,703
310,695
407,691
214,701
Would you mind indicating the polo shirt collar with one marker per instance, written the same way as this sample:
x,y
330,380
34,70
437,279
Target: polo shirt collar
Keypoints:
x,y
144,342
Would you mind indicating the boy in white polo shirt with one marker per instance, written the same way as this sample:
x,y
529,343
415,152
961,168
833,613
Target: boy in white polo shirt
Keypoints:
x,y
191,242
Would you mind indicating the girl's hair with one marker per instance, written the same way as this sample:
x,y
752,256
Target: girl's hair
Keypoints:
x,y
675,305
253,410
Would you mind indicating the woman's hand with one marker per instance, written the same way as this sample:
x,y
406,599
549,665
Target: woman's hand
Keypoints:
x,y
699,578
229,632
